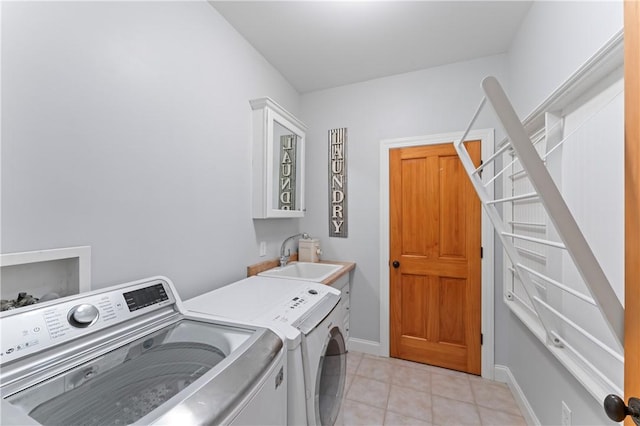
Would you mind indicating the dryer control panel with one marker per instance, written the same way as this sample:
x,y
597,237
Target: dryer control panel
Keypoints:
x,y
305,308
35,328
300,302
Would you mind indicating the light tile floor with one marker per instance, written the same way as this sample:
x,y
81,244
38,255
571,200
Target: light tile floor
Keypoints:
x,y
389,391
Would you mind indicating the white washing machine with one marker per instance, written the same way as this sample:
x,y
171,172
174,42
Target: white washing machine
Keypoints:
x,y
308,316
130,354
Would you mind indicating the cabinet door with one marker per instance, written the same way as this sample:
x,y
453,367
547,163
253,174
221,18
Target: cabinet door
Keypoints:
x,y
278,162
344,285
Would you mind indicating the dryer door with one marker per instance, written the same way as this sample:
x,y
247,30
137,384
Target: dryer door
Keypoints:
x,y
330,378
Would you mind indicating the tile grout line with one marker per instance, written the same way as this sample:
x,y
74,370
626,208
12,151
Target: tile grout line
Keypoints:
x,y
475,401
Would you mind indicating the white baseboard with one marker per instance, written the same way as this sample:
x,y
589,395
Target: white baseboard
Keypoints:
x,y
365,346
503,374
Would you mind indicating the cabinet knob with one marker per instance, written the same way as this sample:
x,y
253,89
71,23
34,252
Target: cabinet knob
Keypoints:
x,y
396,264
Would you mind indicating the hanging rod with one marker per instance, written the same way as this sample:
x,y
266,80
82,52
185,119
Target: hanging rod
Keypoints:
x,y
504,169
580,330
535,240
542,256
536,138
586,362
525,304
490,159
517,174
536,283
527,196
560,285
520,223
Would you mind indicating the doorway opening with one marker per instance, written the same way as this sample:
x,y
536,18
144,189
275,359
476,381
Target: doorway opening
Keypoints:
x,y
486,138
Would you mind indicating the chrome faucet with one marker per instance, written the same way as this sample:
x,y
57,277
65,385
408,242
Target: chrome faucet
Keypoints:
x,y
284,259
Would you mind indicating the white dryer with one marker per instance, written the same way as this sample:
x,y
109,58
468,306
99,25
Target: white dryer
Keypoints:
x,y
308,316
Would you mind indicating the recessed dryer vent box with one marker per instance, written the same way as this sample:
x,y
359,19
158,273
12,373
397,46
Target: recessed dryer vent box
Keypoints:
x,y
50,273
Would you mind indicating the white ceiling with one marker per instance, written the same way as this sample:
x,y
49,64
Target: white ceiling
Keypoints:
x,y
322,44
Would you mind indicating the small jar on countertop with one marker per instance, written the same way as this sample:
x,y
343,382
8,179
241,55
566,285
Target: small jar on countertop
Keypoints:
x,y
309,250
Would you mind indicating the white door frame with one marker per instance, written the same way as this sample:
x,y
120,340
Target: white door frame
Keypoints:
x,y
486,136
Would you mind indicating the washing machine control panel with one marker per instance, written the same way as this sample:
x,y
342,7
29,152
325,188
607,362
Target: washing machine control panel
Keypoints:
x,y
83,315
35,328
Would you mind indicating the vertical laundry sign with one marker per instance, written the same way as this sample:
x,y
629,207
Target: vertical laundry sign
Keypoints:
x,y
338,183
287,195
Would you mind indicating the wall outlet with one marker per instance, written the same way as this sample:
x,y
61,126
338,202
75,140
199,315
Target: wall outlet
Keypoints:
x,y
263,248
566,415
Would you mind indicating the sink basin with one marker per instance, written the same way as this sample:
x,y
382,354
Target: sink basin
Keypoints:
x,y
306,271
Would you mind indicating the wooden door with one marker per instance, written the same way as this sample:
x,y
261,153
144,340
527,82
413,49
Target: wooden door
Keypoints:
x,y
632,201
435,243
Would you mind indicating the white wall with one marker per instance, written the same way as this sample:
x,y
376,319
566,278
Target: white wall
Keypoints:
x,y
436,100
555,39
126,126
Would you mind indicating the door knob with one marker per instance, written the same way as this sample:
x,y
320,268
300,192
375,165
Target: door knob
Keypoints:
x,y
617,411
396,264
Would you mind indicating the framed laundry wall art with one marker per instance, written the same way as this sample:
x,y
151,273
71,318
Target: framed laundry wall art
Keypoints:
x,y
338,223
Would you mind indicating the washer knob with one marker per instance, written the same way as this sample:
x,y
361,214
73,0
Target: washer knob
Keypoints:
x,y
83,315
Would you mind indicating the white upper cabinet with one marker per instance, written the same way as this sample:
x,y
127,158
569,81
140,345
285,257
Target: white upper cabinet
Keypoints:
x,y
278,161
